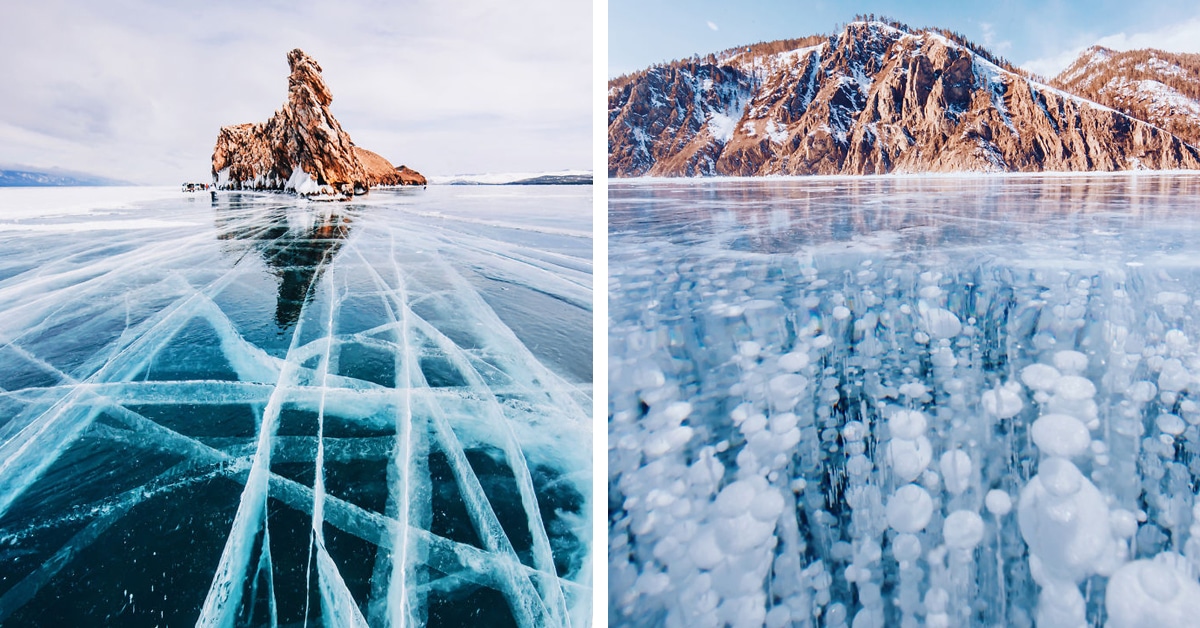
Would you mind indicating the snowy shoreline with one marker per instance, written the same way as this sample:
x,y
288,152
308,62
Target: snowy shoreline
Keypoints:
x,y
1057,174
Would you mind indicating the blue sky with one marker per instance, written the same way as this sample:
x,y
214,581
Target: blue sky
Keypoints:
x,y
136,89
1041,35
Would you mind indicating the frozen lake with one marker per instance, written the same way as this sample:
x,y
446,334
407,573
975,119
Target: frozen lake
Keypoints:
x,y
261,410
941,401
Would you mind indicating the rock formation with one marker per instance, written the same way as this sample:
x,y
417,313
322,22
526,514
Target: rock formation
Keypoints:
x,y
874,99
301,148
381,171
1162,88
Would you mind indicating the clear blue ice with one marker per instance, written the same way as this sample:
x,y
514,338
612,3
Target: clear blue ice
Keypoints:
x,y
903,401
261,410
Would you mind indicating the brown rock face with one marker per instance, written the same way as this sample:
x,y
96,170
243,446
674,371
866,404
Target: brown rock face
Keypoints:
x,y
301,148
408,176
381,171
872,100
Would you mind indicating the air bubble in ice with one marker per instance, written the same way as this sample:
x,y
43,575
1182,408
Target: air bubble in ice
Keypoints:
x,y
909,458
963,529
794,361
906,548
909,509
1041,377
767,506
955,466
676,412
1075,388
913,389
998,502
1003,401
785,389
735,498
1177,341
1173,377
1064,521
1123,523
907,424
1070,362
1141,392
749,348
782,422
1060,435
1170,424
941,323
1161,592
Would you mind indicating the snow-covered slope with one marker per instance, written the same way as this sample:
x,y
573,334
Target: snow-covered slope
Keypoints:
x,y
1159,87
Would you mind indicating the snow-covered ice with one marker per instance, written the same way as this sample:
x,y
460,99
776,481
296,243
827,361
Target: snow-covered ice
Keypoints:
x,y
262,410
910,401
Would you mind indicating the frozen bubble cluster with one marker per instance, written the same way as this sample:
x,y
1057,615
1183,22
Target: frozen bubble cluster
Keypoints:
x,y
893,403
264,411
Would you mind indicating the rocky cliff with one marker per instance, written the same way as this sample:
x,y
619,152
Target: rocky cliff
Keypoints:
x,y
381,171
873,99
1159,87
301,148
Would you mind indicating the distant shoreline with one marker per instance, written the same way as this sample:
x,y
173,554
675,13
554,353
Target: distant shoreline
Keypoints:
x,y
1058,174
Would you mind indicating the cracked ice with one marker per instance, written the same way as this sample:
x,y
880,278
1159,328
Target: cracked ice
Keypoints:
x,y
267,411
905,401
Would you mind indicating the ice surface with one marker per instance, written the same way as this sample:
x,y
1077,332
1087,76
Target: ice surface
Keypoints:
x,y
269,411
999,423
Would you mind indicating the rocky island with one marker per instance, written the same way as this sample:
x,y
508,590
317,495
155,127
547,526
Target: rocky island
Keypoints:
x,y
302,148
880,97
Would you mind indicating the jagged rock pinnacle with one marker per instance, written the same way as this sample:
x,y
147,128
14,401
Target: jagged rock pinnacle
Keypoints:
x,y
302,148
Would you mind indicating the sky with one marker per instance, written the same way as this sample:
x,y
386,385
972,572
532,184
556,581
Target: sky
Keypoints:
x,y
1043,36
137,89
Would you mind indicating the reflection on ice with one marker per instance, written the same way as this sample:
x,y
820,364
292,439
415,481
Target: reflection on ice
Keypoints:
x,y
311,413
927,401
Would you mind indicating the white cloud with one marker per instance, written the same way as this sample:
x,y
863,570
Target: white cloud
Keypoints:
x,y
1179,37
135,89
1049,67
712,26
989,39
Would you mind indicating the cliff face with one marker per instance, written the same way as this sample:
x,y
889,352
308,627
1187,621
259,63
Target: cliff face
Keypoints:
x,y
871,100
380,171
301,148
1159,87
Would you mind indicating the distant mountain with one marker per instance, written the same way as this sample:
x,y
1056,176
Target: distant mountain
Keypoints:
x,y
875,98
48,178
555,179
565,177
1162,88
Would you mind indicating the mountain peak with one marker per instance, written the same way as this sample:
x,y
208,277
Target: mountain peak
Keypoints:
x,y
1159,87
305,82
878,97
